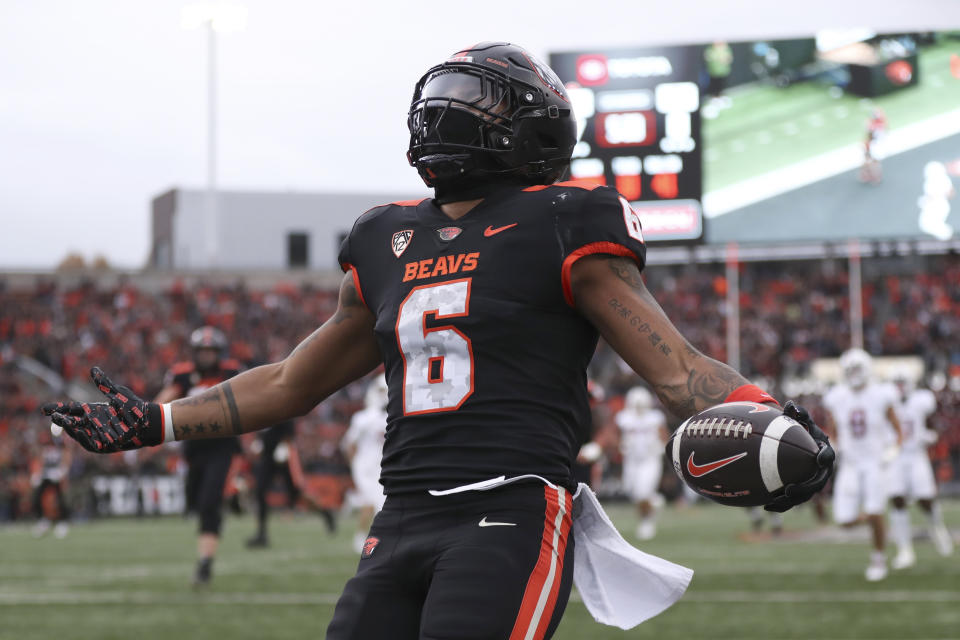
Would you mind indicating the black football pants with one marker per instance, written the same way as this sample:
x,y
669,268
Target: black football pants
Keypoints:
x,y
206,479
487,565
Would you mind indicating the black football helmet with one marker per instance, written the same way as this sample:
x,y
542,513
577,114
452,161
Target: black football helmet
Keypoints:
x,y
209,338
488,110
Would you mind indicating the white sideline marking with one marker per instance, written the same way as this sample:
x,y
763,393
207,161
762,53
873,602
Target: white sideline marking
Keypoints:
x,y
747,192
160,598
813,596
312,599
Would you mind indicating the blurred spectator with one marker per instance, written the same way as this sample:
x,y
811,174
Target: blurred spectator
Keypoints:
x,y
791,313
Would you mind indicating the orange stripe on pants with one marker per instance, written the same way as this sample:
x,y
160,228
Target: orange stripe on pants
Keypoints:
x,y
540,596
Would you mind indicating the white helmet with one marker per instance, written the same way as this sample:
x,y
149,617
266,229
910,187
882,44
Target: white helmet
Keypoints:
x,y
376,397
638,400
856,365
903,379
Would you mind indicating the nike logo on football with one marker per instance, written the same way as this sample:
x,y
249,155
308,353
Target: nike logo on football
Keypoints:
x,y
491,231
697,470
484,523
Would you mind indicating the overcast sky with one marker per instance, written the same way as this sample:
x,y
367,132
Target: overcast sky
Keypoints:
x,y
103,102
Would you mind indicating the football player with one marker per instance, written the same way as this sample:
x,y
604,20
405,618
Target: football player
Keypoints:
x,y
910,475
50,471
859,412
208,460
484,304
363,446
643,431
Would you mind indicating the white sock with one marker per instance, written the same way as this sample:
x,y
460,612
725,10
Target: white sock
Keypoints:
x,y
878,557
936,515
900,527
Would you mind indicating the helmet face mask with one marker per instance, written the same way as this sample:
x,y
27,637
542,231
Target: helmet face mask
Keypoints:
x,y
491,110
638,400
208,344
856,366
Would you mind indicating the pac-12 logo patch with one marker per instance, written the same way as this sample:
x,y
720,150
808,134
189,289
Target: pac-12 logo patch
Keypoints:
x,y
448,233
400,242
369,545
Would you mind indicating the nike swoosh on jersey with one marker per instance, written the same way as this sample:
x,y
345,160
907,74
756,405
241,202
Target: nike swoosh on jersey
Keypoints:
x,y
491,231
697,470
484,523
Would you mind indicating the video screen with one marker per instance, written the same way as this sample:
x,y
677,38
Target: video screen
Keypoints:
x,y
638,111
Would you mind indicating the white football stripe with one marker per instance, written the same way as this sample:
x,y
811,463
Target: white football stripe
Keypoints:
x,y
676,448
769,447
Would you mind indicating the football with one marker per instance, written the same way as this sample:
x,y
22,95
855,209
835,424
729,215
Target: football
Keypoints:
x,y
742,454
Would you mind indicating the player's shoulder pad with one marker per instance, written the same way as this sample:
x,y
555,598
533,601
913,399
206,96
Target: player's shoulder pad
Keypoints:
x,y
182,368
583,185
383,209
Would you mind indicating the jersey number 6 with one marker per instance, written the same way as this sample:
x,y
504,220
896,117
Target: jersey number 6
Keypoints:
x,y
437,361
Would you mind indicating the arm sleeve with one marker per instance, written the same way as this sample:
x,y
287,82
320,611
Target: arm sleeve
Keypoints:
x,y
604,224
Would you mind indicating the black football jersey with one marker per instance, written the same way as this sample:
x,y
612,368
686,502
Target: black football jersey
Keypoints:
x,y
190,382
485,354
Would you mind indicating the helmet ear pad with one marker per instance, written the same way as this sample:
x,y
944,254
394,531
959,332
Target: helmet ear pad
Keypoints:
x,y
541,152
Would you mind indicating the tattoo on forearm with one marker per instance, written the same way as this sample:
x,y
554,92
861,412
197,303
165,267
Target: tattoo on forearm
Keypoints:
x,y
703,388
210,395
708,384
234,422
627,271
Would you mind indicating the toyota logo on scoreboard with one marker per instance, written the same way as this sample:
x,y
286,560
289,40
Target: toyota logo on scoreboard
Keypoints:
x,y
638,130
592,70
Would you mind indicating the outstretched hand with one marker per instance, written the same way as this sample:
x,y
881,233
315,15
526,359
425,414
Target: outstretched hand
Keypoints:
x,y
123,422
800,492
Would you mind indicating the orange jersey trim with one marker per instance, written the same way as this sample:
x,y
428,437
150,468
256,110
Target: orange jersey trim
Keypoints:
x,y
588,185
548,572
356,281
610,248
406,203
180,368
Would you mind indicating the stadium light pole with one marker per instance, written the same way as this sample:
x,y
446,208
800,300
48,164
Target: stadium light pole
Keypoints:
x,y
855,282
733,306
212,17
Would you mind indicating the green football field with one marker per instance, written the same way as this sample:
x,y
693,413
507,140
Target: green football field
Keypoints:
x,y
767,128
129,579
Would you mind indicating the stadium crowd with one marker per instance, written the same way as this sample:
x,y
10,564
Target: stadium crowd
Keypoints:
x,y
791,314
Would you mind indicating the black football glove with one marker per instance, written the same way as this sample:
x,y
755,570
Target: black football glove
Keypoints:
x,y
123,422
800,492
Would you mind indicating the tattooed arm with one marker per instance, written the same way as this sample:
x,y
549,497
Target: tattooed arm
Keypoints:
x,y
340,351
610,293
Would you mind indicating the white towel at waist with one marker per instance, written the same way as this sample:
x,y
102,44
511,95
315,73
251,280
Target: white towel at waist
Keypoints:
x,y
620,585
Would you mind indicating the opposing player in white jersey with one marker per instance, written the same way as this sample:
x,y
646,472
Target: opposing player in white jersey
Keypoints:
x,y
910,476
363,445
860,414
642,434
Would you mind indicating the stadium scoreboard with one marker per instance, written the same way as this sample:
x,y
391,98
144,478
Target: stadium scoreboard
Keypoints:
x,y
638,125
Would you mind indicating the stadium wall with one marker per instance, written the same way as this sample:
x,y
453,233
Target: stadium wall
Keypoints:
x,y
252,228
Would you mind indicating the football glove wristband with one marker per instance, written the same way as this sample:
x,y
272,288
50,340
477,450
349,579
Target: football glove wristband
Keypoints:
x,y
800,492
123,422
750,393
